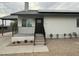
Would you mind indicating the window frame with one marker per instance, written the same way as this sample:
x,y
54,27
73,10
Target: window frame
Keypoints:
x,y
23,21
27,23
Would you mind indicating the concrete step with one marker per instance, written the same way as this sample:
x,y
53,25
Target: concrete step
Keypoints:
x,y
39,43
39,40
38,35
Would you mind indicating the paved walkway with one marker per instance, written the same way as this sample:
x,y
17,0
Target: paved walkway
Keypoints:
x,y
5,39
5,49
55,47
23,49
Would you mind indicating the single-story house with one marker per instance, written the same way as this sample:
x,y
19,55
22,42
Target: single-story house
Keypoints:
x,y
46,22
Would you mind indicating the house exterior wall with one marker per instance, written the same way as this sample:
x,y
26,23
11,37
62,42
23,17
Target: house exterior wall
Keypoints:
x,y
25,30
60,25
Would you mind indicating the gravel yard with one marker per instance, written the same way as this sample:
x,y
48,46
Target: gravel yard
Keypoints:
x,y
56,47
63,47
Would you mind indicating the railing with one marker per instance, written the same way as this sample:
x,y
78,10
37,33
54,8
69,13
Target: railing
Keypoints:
x,y
41,32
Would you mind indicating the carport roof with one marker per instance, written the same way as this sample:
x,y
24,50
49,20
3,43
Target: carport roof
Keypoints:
x,y
9,17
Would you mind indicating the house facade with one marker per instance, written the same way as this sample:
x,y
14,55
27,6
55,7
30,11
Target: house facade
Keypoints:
x,y
60,25
46,22
54,22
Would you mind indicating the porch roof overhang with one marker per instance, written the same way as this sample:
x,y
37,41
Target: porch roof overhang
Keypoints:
x,y
9,17
29,12
47,13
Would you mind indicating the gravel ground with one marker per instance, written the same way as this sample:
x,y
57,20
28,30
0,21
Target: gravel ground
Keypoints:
x,y
63,47
57,47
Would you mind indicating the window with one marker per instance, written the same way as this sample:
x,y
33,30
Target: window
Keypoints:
x,y
77,22
26,23
23,23
29,23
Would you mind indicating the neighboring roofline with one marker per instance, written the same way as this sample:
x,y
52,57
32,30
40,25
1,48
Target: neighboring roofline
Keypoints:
x,y
43,13
36,13
9,17
70,11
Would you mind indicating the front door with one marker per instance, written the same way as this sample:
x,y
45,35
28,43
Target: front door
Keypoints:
x,y
39,25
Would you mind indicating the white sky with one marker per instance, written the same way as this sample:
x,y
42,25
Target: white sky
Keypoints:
x,y
55,5
10,7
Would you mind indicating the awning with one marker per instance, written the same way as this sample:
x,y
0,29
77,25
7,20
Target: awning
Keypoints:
x,y
9,17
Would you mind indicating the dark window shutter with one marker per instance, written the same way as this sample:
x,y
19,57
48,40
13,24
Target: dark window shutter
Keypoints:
x,y
23,23
77,22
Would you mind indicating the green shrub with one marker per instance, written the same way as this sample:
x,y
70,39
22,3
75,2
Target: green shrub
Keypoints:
x,y
31,41
75,34
64,35
18,42
57,36
70,35
25,41
14,26
51,36
14,42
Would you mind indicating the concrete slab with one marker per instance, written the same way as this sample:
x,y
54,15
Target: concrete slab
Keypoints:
x,y
4,41
23,49
41,48
76,43
16,49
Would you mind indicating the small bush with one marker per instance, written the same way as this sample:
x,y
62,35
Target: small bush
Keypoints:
x,y
64,35
31,41
75,34
25,41
18,42
70,35
13,42
57,36
51,36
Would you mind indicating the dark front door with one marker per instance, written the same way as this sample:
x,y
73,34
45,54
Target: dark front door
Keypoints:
x,y
39,25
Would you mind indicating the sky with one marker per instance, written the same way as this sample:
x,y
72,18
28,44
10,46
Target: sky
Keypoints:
x,y
55,5
11,7
7,8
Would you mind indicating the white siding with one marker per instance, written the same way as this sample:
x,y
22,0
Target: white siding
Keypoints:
x,y
60,25
25,30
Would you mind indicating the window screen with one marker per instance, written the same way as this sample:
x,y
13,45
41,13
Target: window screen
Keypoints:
x,y
26,23
23,23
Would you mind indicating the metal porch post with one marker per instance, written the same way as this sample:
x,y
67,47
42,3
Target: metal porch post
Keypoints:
x,y
5,22
2,27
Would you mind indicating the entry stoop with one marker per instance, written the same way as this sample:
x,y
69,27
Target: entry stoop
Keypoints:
x,y
39,39
22,38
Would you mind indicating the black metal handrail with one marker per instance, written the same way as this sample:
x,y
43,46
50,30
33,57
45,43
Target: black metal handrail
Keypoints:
x,y
42,32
